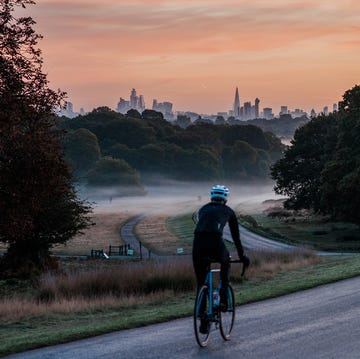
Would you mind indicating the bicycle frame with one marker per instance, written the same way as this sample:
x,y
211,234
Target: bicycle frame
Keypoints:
x,y
209,283
206,310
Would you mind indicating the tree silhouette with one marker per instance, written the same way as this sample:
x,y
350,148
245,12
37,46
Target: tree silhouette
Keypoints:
x,y
38,203
321,170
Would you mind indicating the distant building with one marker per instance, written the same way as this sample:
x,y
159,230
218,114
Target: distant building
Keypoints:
x,y
256,108
283,110
123,106
166,108
68,111
136,102
312,113
326,111
298,113
335,107
247,111
237,104
268,114
133,99
141,103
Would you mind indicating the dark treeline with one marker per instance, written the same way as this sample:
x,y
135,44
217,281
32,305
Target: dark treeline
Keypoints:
x,y
108,148
321,170
284,126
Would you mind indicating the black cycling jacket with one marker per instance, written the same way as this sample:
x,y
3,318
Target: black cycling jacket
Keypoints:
x,y
212,218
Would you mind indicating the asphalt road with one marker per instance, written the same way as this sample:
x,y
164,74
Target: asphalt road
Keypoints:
x,y
323,322
251,240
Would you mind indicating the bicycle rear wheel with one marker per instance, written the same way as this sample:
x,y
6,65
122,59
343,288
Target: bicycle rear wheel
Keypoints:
x,y
201,318
227,318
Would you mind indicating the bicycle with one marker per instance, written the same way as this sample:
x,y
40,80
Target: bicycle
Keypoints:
x,y
207,308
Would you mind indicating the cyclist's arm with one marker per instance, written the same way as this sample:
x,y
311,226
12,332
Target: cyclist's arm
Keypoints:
x,y
235,233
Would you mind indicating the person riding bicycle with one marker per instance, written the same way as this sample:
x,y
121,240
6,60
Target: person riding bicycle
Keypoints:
x,y
208,241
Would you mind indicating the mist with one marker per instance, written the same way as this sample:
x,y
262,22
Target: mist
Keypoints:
x,y
176,197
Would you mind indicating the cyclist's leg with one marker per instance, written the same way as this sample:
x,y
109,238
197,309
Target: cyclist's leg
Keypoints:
x,y
225,277
199,251
200,268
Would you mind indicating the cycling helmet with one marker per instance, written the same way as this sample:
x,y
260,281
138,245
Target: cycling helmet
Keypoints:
x,y
219,192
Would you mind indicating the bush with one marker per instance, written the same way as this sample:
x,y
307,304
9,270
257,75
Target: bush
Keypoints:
x,y
248,220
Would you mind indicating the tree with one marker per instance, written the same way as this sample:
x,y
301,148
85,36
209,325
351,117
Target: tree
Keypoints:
x,y
240,159
351,101
182,121
340,180
82,150
297,174
114,172
134,113
38,204
321,170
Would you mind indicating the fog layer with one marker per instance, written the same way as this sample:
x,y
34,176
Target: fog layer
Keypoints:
x,y
172,197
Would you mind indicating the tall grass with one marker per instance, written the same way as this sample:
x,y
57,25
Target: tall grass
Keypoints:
x,y
130,278
265,264
132,283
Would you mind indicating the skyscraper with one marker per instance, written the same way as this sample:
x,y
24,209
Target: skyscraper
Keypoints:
x,y
237,104
141,103
133,99
247,111
257,113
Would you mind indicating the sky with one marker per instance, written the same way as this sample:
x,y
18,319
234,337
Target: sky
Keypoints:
x,y
194,53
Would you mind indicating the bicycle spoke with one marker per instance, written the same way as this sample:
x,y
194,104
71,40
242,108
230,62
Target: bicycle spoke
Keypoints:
x,y
202,323
227,317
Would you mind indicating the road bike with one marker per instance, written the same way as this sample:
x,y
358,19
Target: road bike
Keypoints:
x,y
208,308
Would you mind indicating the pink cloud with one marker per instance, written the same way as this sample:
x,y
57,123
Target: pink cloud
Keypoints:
x,y
177,44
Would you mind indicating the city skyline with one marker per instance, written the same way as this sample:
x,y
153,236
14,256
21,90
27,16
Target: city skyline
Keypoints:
x,y
244,112
302,54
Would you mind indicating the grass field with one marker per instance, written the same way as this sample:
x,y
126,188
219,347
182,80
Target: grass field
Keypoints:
x,y
310,231
28,322
90,297
103,233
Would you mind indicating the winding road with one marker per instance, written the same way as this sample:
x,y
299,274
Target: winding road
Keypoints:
x,y
249,239
322,322
254,241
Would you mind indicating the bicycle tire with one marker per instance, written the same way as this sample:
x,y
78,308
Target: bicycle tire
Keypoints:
x,y
201,313
227,318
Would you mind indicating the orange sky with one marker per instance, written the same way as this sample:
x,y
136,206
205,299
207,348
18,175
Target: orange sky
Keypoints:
x,y
193,53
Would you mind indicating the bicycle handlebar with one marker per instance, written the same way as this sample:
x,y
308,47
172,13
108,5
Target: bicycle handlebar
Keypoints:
x,y
245,265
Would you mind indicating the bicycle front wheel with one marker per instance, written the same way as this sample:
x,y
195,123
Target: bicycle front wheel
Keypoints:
x,y
201,318
227,317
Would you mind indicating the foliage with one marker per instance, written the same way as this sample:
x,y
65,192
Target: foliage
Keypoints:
x,y
82,150
35,182
321,170
297,174
284,126
113,172
205,151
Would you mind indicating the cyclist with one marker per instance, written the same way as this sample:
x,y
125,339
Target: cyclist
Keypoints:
x,y
208,241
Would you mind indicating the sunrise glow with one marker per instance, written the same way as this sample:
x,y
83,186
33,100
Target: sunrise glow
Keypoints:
x,y
303,54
